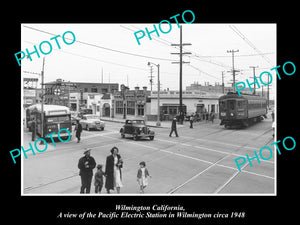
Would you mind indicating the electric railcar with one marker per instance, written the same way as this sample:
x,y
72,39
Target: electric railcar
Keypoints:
x,y
241,110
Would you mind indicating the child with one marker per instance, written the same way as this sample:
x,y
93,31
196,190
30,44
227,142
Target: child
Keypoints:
x,y
99,179
142,176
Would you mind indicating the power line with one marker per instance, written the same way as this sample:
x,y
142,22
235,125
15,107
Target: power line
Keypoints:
x,y
95,59
226,56
233,70
239,33
105,48
194,54
208,74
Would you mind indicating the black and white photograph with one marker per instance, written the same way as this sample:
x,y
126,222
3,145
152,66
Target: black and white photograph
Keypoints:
x,y
150,113
178,113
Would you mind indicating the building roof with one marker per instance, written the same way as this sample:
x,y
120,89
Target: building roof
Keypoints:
x,y
186,94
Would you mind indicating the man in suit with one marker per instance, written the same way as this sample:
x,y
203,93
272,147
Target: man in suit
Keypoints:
x,y
86,165
174,128
78,129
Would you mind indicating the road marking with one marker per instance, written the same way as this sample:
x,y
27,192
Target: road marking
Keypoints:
x,y
172,153
99,135
192,178
185,144
209,149
230,179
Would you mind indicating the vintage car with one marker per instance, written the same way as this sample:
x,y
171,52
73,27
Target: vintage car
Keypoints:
x,y
90,121
136,129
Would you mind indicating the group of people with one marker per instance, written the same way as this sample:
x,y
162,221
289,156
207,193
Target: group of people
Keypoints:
x,y
206,117
112,173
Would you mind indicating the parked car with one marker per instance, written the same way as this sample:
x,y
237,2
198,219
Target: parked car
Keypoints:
x,y
136,129
90,121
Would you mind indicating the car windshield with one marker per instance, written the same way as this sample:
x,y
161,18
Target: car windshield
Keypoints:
x,y
138,122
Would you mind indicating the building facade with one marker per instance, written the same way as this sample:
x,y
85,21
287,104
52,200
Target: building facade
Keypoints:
x,y
193,101
101,104
131,103
75,94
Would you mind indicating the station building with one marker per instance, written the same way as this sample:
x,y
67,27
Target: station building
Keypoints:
x,y
193,101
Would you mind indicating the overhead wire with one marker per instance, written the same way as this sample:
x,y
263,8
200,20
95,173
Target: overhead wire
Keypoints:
x,y
241,35
102,47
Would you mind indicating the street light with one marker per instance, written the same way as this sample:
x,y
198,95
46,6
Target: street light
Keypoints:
x,y
158,95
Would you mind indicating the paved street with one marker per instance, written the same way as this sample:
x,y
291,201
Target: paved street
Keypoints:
x,y
199,161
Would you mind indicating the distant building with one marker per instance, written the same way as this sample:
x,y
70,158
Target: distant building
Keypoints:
x,y
31,96
217,88
193,101
101,104
208,87
75,94
131,103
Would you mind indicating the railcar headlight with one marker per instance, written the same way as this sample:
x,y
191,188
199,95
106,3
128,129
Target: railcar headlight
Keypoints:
x,y
231,114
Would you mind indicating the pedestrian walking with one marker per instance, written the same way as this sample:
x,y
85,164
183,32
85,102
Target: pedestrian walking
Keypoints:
x,y
206,117
212,117
191,121
113,171
272,114
78,129
98,179
33,130
173,128
142,176
86,165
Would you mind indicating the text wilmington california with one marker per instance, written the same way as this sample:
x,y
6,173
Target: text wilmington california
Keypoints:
x,y
163,208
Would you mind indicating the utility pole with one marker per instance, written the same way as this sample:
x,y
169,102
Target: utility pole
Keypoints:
x,y
254,77
42,103
223,88
158,94
151,77
268,93
233,71
180,72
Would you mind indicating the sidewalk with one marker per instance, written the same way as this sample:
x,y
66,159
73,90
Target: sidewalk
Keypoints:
x,y
164,124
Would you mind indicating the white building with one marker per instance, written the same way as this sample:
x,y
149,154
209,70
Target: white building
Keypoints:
x,y
101,104
192,102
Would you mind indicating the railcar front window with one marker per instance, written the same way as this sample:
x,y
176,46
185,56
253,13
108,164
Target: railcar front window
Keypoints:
x,y
231,105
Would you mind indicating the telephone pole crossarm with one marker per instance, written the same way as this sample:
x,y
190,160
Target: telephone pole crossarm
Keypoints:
x,y
180,72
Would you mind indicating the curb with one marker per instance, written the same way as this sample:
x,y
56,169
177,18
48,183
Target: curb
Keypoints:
x,y
116,121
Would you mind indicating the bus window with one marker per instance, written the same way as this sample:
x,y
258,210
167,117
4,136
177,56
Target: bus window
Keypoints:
x,y
58,119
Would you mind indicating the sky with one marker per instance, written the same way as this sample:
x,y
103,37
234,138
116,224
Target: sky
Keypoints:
x,y
113,49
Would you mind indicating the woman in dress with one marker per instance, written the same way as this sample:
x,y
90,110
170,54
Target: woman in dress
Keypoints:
x,y
113,171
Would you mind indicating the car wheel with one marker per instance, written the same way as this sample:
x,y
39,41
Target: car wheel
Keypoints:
x,y
122,135
102,128
135,137
151,138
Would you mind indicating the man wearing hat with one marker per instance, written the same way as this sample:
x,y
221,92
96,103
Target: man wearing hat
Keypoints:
x,y
86,165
